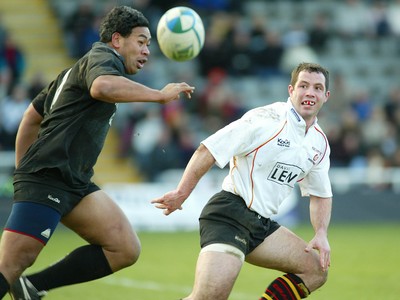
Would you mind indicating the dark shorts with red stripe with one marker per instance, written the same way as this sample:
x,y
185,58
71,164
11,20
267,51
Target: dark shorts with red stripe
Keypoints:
x,y
39,207
226,219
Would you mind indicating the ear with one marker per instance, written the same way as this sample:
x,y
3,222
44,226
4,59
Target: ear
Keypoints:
x,y
116,40
327,94
290,89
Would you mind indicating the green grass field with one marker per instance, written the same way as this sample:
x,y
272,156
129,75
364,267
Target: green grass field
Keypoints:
x,y
365,262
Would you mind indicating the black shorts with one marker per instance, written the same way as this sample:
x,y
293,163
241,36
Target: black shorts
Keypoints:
x,y
226,219
61,198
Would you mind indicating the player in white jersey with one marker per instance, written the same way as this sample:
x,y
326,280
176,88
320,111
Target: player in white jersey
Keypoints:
x,y
269,149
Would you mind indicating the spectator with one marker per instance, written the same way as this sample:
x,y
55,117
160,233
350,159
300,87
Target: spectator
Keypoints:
x,y
375,128
75,25
5,81
216,50
296,49
14,60
268,59
392,107
362,104
3,33
320,33
90,34
11,112
209,7
339,101
36,85
346,142
147,133
351,19
241,62
219,105
379,16
393,17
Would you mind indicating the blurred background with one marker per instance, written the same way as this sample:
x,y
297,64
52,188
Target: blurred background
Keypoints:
x,y
250,48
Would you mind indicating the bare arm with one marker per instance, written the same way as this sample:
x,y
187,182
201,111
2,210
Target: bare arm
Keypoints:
x,y
320,215
199,164
116,89
27,132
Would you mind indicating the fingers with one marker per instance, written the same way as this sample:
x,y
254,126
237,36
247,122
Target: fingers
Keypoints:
x,y
325,260
172,91
167,205
324,255
187,89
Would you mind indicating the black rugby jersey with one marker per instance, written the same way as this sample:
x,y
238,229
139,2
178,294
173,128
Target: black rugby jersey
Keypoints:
x,y
75,125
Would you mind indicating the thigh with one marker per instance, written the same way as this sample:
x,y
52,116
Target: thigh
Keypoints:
x,y
284,251
100,221
216,273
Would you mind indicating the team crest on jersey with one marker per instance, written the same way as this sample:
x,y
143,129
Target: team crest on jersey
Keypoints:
x,y
285,174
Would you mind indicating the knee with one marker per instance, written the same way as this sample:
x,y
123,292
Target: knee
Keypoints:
x,y
316,280
123,253
130,253
13,267
322,278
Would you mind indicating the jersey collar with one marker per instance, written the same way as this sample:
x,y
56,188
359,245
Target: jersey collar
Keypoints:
x,y
295,117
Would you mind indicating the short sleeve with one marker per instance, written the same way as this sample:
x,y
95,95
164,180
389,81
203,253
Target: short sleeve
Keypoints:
x,y
317,182
103,63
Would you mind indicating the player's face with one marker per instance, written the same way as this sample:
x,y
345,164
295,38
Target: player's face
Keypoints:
x,y
309,94
134,48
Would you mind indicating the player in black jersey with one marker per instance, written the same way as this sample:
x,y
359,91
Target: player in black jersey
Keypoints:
x,y
58,142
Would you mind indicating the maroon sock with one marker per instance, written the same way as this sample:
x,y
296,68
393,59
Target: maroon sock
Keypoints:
x,y
286,287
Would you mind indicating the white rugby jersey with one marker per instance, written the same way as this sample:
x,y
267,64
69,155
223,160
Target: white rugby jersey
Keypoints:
x,y
269,151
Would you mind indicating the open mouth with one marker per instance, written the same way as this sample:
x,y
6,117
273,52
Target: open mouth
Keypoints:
x,y
308,102
141,63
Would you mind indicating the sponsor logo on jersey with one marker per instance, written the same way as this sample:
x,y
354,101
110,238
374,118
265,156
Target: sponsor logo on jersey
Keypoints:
x,y
316,150
283,143
316,157
285,174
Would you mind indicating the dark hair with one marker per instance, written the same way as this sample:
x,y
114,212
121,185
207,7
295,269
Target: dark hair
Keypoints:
x,y
121,19
312,68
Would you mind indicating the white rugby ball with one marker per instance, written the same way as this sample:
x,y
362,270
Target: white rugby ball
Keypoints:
x,y
180,33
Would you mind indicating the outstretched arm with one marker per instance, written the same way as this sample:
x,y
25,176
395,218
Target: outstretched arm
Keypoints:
x,y
199,164
115,89
320,215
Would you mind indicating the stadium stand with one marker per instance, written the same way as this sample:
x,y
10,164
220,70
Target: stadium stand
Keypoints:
x,y
364,62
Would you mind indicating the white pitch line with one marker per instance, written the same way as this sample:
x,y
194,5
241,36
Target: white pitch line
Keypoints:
x,y
146,285
156,286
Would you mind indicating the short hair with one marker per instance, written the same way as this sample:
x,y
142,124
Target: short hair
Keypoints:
x,y
312,68
121,19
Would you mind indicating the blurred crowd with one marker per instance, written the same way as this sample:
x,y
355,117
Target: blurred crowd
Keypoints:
x,y
15,93
250,48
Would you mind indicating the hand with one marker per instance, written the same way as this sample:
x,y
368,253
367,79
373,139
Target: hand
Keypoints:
x,y
321,244
172,91
170,202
